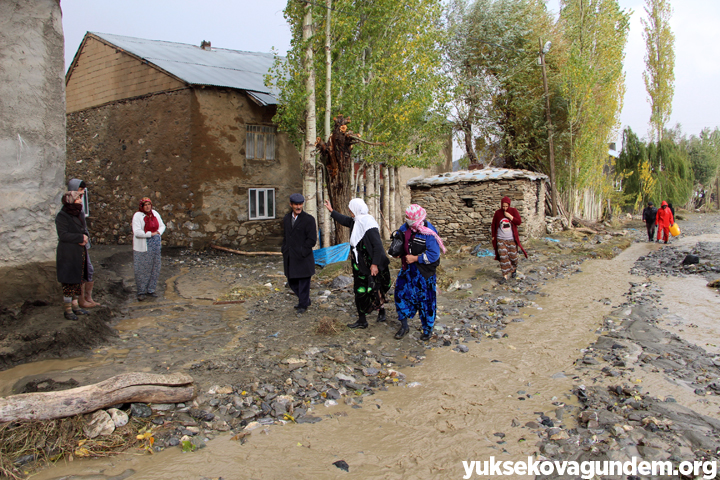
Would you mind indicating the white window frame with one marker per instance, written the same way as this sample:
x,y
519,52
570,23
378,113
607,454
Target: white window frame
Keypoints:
x,y
268,196
260,142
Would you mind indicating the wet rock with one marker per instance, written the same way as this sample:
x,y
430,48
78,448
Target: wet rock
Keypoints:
x,y
119,418
140,410
99,424
201,415
333,394
172,442
342,465
341,281
462,348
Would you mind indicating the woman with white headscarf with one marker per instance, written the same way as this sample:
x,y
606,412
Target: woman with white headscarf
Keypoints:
x,y
370,265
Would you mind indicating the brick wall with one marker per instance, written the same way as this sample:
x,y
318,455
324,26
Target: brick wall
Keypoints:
x,y
105,74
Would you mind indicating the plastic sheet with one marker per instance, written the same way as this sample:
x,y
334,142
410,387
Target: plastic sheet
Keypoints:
x,y
334,254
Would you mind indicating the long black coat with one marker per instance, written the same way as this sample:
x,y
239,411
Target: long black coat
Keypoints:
x,y
69,255
297,245
372,242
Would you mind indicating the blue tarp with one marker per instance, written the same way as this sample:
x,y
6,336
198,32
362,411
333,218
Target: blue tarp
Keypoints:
x,y
334,254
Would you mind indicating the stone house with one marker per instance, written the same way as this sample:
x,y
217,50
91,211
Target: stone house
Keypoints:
x,y
32,148
462,204
188,126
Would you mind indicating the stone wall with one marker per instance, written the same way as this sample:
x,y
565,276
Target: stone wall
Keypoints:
x,y
186,151
463,212
32,147
129,150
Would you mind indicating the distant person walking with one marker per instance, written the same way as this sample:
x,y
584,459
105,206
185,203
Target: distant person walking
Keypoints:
x,y
416,284
650,217
664,218
85,300
147,227
370,264
506,239
71,255
300,236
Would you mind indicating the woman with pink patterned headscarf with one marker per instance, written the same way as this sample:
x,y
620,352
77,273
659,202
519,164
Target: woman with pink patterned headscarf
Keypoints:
x,y
415,288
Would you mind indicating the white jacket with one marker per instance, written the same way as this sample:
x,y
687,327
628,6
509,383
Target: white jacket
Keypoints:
x,y
140,236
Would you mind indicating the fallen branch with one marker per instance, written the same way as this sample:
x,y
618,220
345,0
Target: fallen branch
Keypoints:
x,y
125,388
240,252
589,231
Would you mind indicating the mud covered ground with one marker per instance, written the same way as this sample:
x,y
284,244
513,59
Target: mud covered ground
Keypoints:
x,y
259,361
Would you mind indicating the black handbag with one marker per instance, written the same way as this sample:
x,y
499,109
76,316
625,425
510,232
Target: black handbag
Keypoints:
x,y
397,245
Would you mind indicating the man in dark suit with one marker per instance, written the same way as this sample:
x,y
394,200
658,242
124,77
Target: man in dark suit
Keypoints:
x,y
297,248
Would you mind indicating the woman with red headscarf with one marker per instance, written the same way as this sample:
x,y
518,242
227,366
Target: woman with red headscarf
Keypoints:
x,y
147,228
505,238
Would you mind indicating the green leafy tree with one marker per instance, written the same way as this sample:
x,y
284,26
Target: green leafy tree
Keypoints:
x,y
593,87
659,75
704,152
496,84
386,77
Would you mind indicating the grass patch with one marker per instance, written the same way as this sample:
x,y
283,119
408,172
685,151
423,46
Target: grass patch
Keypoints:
x,y
53,440
329,326
329,272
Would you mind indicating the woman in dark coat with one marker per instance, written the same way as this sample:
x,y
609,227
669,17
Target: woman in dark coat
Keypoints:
x,y
370,265
70,260
505,238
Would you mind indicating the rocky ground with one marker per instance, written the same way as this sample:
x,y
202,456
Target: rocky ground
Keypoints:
x,y
228,321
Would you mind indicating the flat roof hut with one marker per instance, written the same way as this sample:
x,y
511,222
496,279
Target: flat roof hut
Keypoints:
x,y
462,204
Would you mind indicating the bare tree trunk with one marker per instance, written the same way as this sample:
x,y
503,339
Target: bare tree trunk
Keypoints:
x,y
378,192
125,388
329,224
322,218
328,72
386,203
399,209
308,168
371,199
391,198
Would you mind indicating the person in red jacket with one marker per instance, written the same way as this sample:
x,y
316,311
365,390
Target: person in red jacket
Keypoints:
x,y
664,218
505,238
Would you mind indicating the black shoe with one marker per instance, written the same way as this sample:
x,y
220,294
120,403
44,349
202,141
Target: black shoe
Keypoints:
x,y
425,336
70,316
153,294
402,332
301,310
141,298
514,275
297,306
361,323
80,311
382,316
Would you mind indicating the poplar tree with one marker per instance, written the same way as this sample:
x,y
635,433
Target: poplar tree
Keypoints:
x,y
593,87
659,75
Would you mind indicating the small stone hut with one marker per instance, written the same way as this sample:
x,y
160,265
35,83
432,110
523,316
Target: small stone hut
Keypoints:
x,y
462,204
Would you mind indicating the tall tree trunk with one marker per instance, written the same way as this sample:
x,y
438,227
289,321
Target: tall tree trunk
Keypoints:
x,y
371,198
329,225
328,71
398,210
322,218
308,168
386,225
378,193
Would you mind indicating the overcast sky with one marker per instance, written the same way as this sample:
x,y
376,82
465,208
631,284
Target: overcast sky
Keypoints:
x,y
259,26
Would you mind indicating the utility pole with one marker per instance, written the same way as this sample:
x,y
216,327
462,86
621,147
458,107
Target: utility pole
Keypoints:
x,y
543,50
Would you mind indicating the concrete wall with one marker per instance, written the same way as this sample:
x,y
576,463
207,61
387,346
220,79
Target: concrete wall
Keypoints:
x,y
32,146
103,74
460,224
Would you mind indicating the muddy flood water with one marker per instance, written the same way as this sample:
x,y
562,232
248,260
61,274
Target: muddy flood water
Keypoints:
x,y
454,406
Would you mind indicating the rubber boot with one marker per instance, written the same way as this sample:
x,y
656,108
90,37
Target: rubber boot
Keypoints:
x,y
361,322
403,329
381,315
85,300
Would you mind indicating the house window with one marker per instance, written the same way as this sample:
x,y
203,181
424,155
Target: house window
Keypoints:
x,y
260,143
261,203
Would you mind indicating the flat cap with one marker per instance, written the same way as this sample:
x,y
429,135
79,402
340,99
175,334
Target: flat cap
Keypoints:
x,y
297,198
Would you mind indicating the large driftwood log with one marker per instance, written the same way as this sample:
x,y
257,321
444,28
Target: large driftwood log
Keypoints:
x,y
240,252
125,388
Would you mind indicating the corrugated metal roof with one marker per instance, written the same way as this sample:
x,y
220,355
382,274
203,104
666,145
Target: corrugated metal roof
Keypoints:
x,y
219,67
483,175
